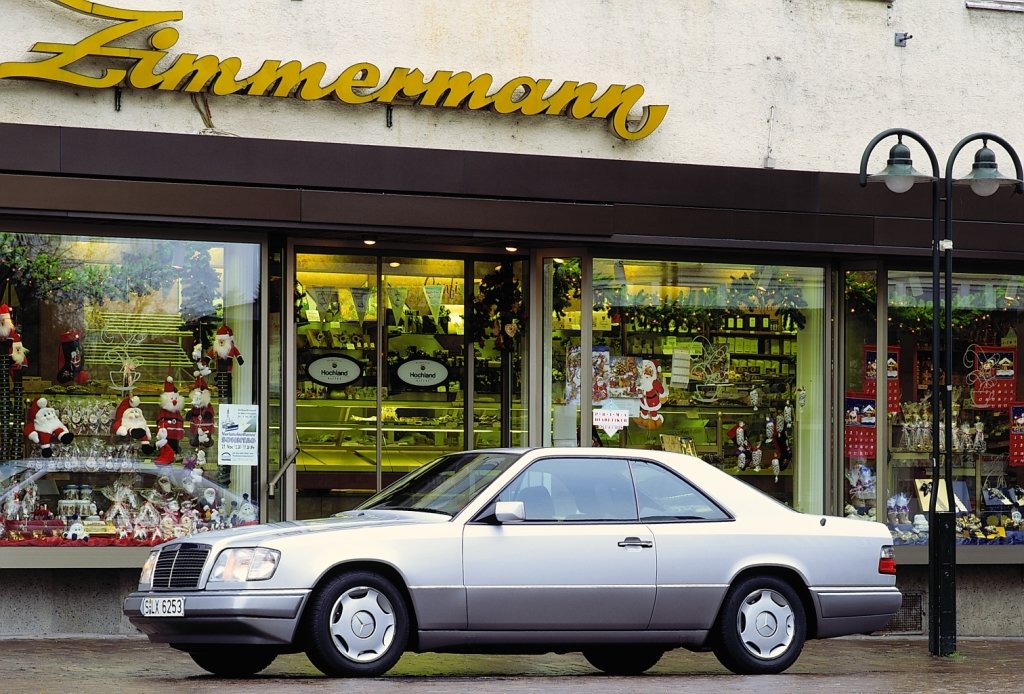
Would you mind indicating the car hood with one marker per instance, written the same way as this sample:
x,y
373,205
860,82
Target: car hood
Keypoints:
x,y
349,520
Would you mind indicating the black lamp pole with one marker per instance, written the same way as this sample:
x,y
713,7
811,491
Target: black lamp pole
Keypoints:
x,y
899,175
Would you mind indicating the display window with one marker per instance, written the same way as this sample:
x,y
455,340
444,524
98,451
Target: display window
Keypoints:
x,y
722,361
127,398
987,406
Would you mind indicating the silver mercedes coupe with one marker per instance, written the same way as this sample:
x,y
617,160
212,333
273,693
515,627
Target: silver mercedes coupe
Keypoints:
x,y
618,554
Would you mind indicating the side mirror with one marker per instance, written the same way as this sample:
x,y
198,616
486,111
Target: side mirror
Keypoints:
x,y
510,511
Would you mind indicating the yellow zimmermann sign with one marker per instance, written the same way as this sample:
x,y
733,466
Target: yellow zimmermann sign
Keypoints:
x,y
357,84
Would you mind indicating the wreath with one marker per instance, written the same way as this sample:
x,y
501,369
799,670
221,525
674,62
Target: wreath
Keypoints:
x,y
498,309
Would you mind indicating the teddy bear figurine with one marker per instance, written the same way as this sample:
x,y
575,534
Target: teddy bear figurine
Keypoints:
x,y
43,427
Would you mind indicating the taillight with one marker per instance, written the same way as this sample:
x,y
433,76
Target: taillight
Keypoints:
x,y
887,560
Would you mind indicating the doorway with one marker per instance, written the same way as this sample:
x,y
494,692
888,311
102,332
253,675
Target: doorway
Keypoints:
x,y
400,358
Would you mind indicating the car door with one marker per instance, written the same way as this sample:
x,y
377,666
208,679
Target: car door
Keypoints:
x,y
697,547
580,560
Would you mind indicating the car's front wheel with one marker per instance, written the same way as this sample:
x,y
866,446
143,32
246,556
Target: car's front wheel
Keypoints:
x,y
761,628
357,625
233,661
623,660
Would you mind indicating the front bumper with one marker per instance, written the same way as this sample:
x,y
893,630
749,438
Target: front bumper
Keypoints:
x,y
250,617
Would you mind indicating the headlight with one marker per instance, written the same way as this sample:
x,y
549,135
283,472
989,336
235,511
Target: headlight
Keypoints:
x,y
146,580
245,564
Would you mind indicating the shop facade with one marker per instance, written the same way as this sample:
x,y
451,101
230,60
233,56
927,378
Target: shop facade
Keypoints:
x,y
297,322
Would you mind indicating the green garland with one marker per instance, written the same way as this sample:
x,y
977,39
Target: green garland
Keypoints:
x,y
862,298
40,266
567,283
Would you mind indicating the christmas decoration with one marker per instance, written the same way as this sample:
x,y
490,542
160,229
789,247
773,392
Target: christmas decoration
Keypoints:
x,y
19,354
200,416
130,422
43,427
169,417
164,450
650,401
498,309
70,361
224,351
6,323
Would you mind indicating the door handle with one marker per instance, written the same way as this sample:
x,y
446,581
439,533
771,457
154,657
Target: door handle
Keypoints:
x,y
635,542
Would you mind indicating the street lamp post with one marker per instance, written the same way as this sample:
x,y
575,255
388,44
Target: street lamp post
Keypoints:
x,y
899,176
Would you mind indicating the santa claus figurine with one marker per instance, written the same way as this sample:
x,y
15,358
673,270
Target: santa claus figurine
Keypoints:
x,y
200,416
129,422
650,401
19,354
169,417
224,350
6,324
43,427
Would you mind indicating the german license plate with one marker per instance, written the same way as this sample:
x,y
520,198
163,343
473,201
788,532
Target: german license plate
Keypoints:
x,y
163,607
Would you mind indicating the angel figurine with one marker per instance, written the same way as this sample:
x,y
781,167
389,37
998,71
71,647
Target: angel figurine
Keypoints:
x,y
755,398
979,435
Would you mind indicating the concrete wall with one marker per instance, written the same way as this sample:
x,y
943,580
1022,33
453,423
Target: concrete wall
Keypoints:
x,y
827,71
39,602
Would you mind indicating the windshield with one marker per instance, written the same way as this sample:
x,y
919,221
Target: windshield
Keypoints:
x,y
445,485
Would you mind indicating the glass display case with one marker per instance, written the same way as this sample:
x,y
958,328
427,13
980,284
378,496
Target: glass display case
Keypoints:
x,y
111,501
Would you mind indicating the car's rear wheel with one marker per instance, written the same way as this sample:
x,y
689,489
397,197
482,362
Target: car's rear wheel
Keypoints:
x,y
233,661
357,625
761,627
623,660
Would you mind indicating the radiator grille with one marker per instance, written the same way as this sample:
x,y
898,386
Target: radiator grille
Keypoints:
x,y
180,566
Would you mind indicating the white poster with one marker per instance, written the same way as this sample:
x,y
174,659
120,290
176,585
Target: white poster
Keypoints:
x,y
238,434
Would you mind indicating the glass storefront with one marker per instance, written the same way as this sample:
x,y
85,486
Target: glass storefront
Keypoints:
x,y
399,363
128,398
724,361
987,406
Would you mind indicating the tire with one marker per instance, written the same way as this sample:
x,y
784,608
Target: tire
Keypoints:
x,y
233,661
761,627
623,660
356,625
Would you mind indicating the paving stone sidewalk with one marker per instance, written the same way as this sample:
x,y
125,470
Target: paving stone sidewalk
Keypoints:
x,y
112,665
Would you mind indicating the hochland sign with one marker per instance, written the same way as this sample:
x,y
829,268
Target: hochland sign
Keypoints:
x,y
359,83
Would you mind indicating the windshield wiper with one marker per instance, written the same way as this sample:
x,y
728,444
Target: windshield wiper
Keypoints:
x,y
409,508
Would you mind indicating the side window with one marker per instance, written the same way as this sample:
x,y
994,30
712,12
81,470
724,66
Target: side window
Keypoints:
x,y
575,489
664,496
